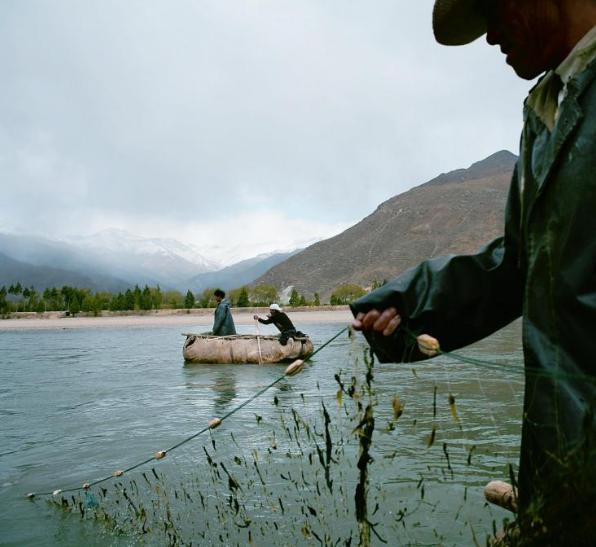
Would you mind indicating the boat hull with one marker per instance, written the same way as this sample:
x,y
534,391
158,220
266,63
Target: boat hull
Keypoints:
x,y
200,348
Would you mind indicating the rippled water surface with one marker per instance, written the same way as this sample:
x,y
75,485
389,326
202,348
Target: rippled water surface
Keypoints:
x,y
77,404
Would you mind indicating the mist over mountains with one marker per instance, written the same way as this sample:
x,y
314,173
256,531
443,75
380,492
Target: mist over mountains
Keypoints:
x,y
455,212
115,260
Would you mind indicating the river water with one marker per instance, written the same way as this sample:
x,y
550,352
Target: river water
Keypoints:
x,y
77,404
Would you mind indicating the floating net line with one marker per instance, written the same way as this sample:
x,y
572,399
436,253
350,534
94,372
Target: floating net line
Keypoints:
x,y
350,462
291,370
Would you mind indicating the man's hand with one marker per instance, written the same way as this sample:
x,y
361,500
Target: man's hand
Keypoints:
x,y
255,317
385,322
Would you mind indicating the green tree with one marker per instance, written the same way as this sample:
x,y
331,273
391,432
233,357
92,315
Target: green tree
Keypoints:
x,y
138,295
157,297
345,294
16,289
294,298
118,302
75,307
207,299
234,296
243,301
4,305
102,301
173,299
129,300
51,299
317,300
189,301
146,299
88,303
263,295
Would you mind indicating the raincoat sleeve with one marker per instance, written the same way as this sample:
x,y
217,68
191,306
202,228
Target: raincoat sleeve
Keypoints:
x,y
267,321
456,299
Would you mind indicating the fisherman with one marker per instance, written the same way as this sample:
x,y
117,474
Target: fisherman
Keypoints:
x,y
282,322
544,266
223,322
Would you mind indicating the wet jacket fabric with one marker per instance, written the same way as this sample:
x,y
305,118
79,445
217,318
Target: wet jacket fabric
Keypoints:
x,y
543,268
223,323
280,320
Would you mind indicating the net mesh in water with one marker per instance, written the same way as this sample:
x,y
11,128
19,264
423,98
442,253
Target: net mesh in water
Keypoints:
x,y
358,460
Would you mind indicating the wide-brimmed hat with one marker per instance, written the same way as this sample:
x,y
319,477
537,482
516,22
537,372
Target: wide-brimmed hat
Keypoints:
x,y
458,22
275,307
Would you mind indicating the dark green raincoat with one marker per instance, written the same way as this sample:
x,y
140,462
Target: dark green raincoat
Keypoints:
x,y
544,269
223,322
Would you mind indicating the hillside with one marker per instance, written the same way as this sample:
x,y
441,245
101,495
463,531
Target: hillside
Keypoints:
x,y
42,277
111,254
456,212
241,273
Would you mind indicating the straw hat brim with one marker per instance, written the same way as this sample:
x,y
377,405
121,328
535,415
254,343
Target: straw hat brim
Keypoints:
x,y
458,22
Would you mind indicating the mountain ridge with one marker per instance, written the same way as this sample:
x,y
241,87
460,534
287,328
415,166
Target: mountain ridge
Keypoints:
x,y
455,212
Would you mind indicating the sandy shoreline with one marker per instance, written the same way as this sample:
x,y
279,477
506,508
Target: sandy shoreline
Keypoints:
x,y
199,318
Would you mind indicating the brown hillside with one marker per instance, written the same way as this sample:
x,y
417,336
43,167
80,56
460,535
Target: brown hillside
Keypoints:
x,y
456,212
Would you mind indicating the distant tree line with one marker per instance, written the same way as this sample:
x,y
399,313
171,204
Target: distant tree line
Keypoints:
x,y
73,300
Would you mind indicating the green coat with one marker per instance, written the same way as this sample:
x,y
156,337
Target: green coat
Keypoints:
x,y
223,323
544,269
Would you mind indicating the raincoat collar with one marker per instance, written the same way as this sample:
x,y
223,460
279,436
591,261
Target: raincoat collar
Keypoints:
x,y
547,96
567,115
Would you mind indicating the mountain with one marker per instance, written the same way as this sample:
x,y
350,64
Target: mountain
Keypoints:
x,y
144,260
111,254
115,259
42,277
456,212
241,273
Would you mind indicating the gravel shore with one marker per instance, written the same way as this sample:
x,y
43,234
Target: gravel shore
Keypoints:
x,y
201,318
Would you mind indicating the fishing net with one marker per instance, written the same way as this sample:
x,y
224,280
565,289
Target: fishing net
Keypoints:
x,y
366,454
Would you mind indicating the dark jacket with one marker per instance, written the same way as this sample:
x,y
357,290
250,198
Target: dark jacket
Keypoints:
x,y
280,320
223,323
544,268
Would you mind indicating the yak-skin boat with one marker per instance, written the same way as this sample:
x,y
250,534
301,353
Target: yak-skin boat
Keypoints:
x,y
244,348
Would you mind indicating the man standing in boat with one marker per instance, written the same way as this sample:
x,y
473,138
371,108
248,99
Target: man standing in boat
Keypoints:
x,y
282,322
223,323
543,268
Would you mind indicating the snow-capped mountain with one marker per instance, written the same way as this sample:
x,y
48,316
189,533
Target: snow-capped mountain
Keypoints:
x,y
115,258
114,241
114,253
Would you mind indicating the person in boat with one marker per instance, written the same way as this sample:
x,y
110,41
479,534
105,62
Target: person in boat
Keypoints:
x,y
282,322
544,266
223,322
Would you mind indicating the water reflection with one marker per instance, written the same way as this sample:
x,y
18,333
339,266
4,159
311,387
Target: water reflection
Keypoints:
x,y
218,383
224,386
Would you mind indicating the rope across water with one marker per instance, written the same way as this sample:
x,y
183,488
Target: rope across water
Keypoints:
x,y
294,368
291,370
436,350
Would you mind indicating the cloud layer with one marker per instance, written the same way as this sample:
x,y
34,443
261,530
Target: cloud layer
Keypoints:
x,y
248,121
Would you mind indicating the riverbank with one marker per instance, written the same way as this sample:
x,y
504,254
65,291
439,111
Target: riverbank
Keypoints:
x,y
200,317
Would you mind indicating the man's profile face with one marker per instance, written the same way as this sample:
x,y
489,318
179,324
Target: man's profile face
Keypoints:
x,y
528,32
218,298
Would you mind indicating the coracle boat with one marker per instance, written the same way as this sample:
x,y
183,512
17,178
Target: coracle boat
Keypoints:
x,y
244,348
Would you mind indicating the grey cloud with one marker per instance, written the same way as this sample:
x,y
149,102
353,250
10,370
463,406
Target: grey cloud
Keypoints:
x,y
203,109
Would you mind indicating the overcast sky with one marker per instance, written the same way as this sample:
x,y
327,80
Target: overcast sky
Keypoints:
x,y
264,124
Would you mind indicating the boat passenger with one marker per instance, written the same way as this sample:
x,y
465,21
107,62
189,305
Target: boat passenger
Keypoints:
x,y
543,268
223,323
282,322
